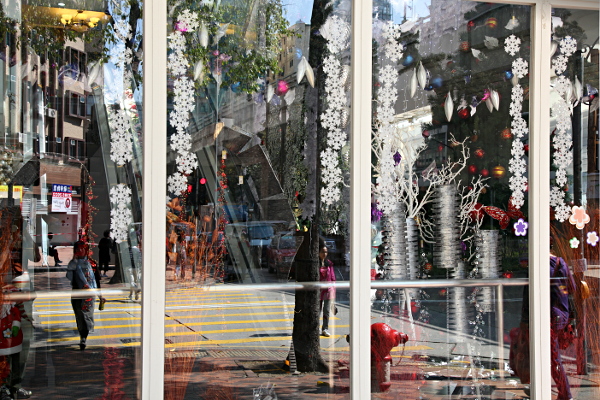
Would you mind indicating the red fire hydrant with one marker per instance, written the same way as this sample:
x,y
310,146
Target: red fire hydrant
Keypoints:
x,y
383,340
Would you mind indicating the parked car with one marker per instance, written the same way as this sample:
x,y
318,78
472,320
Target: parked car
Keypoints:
x,y
281,252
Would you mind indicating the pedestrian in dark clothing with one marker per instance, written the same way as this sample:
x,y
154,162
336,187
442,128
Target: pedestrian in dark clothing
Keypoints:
x,y
81,275
52,251
104,248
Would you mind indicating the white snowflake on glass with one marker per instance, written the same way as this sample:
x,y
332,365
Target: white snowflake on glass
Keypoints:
x,y
512,44
337,139
520,67
121,149
559,64
187,21
561,177
562,212
519,127
568,46
562,142
120,194
120,219
557,196
177,183
330,194
515,109
186,162
517,93
181,142
563,159
337,33
562,85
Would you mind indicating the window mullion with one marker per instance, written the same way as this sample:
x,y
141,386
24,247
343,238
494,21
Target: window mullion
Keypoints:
x,y
154,184
360,310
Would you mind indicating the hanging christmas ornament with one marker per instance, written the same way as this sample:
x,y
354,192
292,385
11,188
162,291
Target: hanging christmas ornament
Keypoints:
x,y
397,158
199,71
203,35
470,25
498,172
508,75
464,113
429,88
437,82
422,75
449,107
408,60
413,83
485,173
577,90
506,134
491,23
440,148
472,169
425,134
489,104
495,97
479,153
474,137
270,93
282,88
464,46
486,94
490,42
526,149
512,23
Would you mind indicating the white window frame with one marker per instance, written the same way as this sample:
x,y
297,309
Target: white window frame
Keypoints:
x,y
154,183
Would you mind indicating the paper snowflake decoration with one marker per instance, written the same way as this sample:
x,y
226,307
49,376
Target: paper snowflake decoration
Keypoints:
x,y
559,64
121,148
592,238
520,67
177,183
562,85
519,127
557,196
568,46
512,44
187,22
562,212
337,33
120,214
186,162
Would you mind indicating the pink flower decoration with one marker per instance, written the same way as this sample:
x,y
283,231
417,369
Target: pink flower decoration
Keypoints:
x,y
592,238
579,217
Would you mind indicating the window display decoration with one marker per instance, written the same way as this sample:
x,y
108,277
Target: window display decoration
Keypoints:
x,y
121,145
520,227
574,243
517,164
592,238
562,141
336,32
183,102
120,215
579,217
487,264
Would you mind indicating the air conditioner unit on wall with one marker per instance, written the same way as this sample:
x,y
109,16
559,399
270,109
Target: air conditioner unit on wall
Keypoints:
x,y
51,112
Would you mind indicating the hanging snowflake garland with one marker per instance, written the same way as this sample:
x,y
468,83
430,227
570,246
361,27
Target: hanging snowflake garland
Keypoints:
x,y
120,214
517,164
562,141
121,146
183,101
334,118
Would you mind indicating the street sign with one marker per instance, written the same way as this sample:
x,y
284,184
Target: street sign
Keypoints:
x,y
62,198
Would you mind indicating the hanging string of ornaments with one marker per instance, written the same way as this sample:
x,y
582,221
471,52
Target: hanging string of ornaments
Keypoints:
x,y
183,102
517,164
335,117
562,141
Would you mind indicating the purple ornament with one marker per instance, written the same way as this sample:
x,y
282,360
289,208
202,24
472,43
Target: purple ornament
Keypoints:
x,y
376,213
397,158
521,227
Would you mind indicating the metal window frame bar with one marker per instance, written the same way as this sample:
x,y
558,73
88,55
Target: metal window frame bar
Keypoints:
x,y
154,181
154,188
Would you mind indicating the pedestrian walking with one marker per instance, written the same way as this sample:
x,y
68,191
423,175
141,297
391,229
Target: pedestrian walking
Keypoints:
x,y
104,247
326,274
81,275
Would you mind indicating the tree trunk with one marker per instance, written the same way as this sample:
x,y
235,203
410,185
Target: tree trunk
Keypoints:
x,y
306,332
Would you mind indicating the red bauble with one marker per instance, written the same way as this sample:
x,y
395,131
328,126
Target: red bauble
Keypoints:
x,y
440,148
425,134
507,274
464,113
474,138
442,292
281,88
479,153
485,173
498,172
470,25
427,267
472,169
506,134
526,148
464,46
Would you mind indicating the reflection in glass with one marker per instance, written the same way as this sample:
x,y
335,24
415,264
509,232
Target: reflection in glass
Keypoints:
x,y
258,179
450,142
574,199
71,90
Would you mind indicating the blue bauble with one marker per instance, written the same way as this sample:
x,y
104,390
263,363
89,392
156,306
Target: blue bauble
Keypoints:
x,y
408,60
298,53
437,82
508,74
235,88
429,87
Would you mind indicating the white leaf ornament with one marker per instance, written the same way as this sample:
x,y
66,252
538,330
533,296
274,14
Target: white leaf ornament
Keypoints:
x,y
422,76
270,92
413,83
301,69
578,90
489,104
199,71
449,107
495,98
203,35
